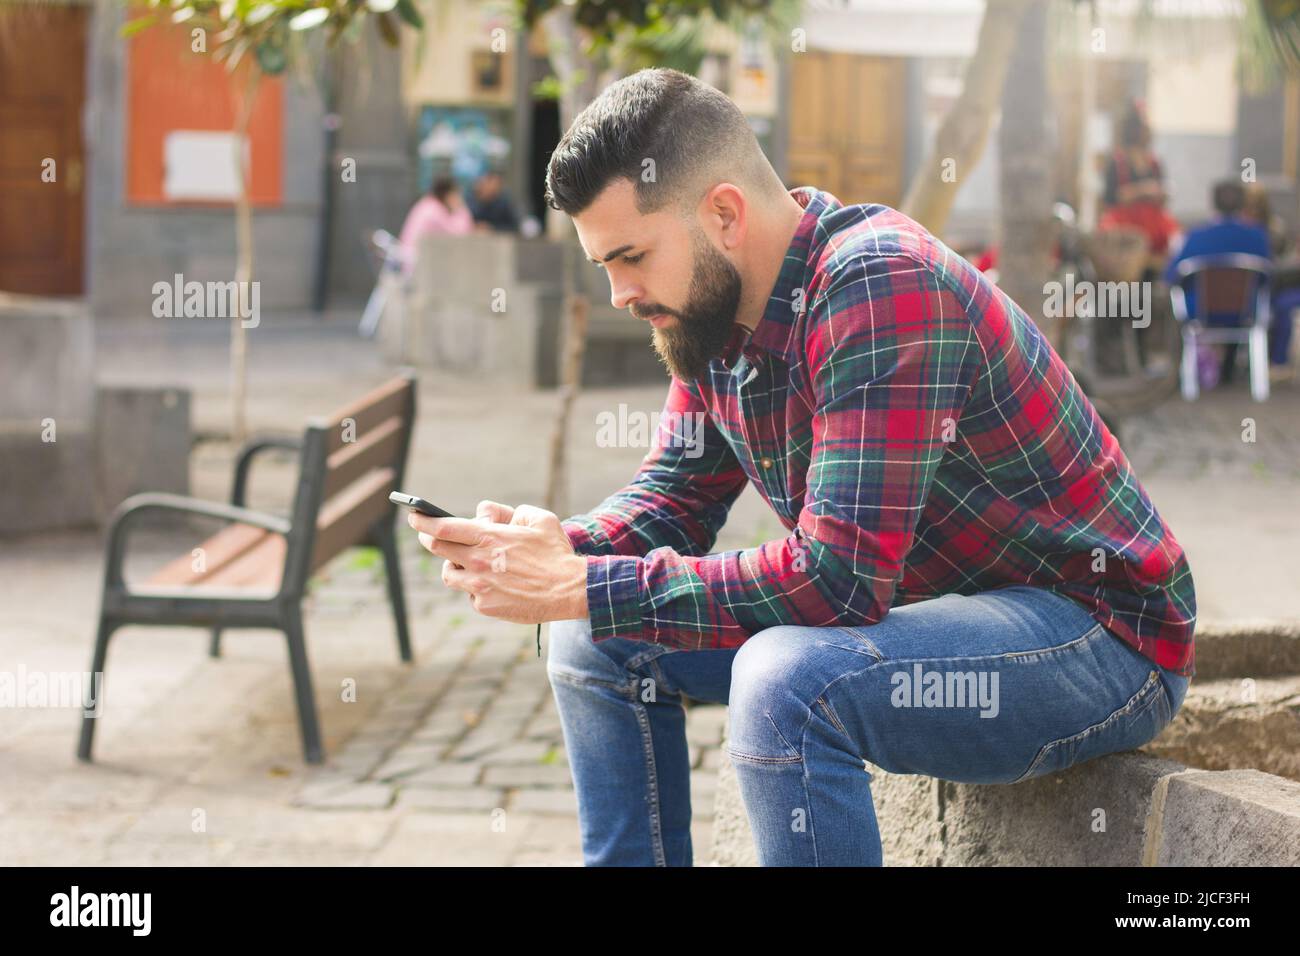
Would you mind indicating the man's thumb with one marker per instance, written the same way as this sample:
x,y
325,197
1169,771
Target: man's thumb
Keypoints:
x,y
494,511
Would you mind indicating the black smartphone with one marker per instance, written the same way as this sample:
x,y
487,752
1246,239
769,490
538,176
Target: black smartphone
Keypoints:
x,y
416,503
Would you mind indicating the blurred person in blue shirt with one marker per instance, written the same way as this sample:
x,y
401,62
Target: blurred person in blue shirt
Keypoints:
x,y
1229,232
491,204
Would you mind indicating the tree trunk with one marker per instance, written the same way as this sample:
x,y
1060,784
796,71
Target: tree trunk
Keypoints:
x,y
243,265
577,89
960,140
1026,148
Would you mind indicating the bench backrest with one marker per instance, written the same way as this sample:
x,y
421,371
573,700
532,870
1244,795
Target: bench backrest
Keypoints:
x,y
350,463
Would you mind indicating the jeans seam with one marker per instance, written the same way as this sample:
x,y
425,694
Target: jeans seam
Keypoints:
x,y
871,647
629,690
831,715
652,775
1088,635
1128,709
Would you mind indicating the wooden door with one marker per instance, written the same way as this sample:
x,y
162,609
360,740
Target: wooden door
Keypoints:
x,y
42,172
847,125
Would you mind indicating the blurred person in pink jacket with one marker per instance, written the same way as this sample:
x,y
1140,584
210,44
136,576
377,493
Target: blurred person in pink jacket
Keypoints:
x,y
441,212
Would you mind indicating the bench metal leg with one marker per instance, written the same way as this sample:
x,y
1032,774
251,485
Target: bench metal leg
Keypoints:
x,y
307,722
106,629
387,542
214,649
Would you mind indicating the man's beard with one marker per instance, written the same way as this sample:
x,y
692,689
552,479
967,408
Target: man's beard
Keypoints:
x,y
704,327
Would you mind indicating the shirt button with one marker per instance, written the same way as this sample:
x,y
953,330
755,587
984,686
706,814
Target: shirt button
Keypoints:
x,y
766,462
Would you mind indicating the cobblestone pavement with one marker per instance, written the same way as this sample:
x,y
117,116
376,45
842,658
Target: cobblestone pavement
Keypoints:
x,y
457,758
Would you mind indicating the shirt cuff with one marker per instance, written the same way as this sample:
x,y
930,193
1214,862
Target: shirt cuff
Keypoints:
x,y
614,596
587,537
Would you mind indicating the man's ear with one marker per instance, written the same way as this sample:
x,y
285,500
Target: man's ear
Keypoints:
x,y
724,212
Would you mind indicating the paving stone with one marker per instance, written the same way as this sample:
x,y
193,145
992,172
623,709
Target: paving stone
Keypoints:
x,y
436,735
521,706
451,798
538,775
517,752
452,839
400,766
550,801
444,775
359,796
711,758
356,762
484,740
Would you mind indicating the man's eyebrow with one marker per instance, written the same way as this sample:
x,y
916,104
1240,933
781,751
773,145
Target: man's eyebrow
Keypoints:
x,y
619,251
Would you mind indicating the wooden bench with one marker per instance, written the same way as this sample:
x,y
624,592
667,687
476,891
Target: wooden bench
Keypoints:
x,y
254,571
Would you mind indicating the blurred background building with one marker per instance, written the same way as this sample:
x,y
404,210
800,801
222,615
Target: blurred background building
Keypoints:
x,y
146,185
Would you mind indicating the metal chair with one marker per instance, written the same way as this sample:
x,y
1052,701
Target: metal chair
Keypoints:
x,y
386,256
1225,283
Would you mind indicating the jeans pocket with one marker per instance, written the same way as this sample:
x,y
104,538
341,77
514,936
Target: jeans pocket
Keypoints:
x,y
1138,722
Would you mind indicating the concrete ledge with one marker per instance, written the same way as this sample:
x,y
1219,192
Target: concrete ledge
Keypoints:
x,y
1127,809
144,441
1228,818
47,401
1246,648
1120,810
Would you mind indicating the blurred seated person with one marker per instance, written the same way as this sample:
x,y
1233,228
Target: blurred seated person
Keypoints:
x,y
1229,232
1135,192
1285,283
441,212
491,205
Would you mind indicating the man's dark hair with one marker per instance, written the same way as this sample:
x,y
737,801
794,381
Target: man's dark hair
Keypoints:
x,y
1229,197
441,188
669,133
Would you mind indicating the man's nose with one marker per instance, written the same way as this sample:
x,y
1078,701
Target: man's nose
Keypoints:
x,y
622,293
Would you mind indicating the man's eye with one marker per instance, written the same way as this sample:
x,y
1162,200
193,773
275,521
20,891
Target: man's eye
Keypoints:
x,y
633,260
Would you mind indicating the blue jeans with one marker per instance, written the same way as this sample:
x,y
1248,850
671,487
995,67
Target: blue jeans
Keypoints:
x,y
997,687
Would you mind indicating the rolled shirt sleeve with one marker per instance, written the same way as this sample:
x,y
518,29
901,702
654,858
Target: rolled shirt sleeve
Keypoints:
x,y
679,498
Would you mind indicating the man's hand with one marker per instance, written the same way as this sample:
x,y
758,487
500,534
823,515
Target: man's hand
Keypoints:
x,y
524,571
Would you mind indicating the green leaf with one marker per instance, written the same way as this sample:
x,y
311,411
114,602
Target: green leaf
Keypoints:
x,y
364,559
271,58
406,9
132,27
386,29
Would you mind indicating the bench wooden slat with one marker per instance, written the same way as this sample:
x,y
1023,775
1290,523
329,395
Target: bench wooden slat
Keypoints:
x,y
379,448
368,411
260,567
220,549
345,518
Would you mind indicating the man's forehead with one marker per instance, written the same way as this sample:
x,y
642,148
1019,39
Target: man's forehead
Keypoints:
x,y
612,224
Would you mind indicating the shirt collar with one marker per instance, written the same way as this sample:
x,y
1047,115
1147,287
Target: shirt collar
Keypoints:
x,y
774,333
